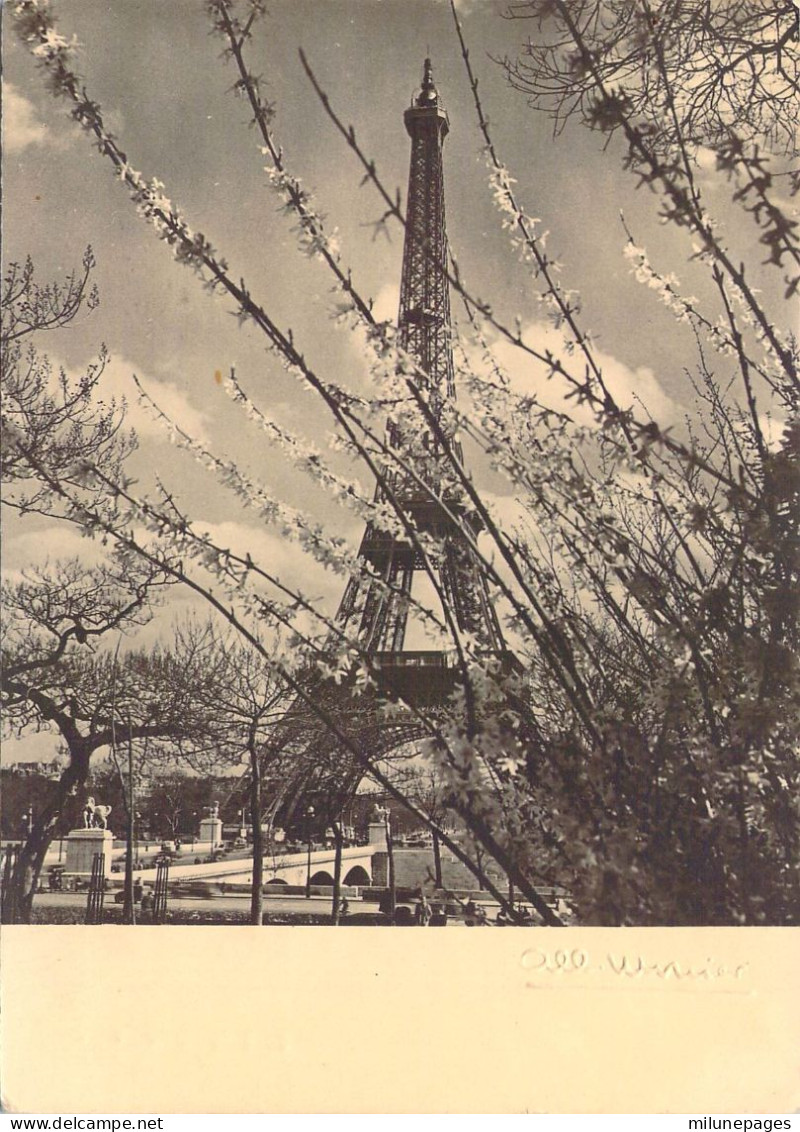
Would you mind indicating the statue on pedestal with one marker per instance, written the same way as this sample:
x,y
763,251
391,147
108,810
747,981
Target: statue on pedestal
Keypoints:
x,y
95,816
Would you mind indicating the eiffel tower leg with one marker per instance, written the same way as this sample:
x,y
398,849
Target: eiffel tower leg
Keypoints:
x,y
396,630
465,588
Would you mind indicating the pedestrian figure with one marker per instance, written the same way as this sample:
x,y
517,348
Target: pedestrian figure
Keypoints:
x,y
344,907
138,889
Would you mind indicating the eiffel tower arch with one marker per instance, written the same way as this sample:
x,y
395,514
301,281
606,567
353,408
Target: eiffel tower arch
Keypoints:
x,y
374,609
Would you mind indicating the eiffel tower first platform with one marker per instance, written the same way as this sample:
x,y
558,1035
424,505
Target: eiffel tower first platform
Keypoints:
x,y
374,608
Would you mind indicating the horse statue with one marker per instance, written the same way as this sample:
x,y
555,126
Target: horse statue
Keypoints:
x,y
88,814
94,816
101,817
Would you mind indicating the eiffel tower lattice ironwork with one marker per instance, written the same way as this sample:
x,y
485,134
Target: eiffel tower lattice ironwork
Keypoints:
x,y
374,608
424,333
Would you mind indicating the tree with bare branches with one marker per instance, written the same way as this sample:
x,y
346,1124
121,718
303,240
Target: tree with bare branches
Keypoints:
x,y
47,416
245,706
726,67
56,676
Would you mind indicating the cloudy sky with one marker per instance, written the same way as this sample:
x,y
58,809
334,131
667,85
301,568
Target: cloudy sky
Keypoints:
x,y
165,93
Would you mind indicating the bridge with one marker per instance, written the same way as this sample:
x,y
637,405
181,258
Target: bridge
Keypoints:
x,y
288,869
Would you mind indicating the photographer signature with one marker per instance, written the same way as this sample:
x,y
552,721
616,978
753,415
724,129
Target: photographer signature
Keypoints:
x,y
629,967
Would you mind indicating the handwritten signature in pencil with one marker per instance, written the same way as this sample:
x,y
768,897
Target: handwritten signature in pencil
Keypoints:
x,y
578,961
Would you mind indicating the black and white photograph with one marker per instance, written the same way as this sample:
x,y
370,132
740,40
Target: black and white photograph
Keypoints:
x,y
400,474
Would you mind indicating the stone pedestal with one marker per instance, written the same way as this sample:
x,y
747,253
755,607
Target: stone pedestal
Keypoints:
x,y
380,869
377,834
211,831
82,844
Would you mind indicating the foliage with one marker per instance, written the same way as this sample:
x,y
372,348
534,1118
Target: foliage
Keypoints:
x,y
21,794
245,705
174,804
45,417
643,750
56,674
674,80
54,677
726,67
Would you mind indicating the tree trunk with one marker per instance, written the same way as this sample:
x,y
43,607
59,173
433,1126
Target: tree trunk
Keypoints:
x,y
337,869
18,901
437,861
257,892
479,861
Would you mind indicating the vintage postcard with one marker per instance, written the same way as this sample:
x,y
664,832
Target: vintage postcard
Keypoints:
x,y
400,507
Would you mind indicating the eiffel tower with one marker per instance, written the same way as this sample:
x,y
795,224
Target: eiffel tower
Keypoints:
x,y
424,332
374,608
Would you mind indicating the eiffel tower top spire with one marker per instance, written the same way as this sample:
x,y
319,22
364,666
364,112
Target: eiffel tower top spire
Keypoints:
x,y
428,96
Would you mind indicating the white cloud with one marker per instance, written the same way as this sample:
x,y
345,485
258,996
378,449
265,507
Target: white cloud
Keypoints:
x,y
22,127
280,557
384,309
116,382
706,158
269,551
772,429
637,389
277,556
23,548
386,303
176,605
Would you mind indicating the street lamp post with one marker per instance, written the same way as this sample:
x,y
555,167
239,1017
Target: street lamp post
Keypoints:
x,y
310,817
390,860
